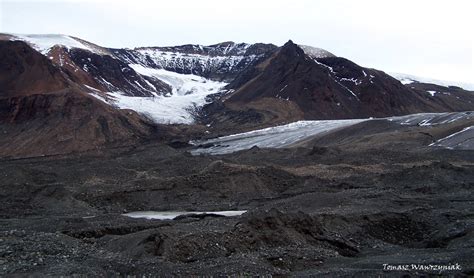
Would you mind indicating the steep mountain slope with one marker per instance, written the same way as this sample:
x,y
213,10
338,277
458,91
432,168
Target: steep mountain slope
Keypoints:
x,y
42,112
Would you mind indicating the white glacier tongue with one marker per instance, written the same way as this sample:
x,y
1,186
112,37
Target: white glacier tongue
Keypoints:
x,y
290,134
272,137
182,84
189,93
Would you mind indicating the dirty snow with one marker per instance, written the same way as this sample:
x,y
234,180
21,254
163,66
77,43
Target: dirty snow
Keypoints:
x,y
290,134
463,139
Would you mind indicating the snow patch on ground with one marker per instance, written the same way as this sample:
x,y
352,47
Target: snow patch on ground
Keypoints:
x,y
432,93
170,215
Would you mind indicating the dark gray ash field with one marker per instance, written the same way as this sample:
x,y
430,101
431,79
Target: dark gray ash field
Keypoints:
x,y
243,159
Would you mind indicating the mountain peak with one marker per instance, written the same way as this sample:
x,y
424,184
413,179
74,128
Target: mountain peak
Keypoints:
x,y
291,49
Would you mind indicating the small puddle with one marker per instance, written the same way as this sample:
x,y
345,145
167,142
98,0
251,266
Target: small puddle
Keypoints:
x,y
169,215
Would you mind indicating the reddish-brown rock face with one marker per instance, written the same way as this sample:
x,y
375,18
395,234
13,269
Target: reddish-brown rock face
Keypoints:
x,y
43,113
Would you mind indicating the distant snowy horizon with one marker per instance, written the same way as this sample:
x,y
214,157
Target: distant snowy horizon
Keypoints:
x,y
410,78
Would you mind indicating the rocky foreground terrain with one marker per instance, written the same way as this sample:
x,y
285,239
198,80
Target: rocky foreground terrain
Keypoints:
x,y
90,136
354,202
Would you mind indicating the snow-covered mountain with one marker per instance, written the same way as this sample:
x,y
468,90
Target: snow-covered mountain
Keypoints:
x,y
219,62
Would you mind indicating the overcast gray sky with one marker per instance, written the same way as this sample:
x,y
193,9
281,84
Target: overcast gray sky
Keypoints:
x,y
422,37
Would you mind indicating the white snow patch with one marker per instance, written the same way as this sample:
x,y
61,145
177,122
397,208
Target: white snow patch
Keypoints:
x,y
432,93
283,88
354,80
315,52
43,43
170,215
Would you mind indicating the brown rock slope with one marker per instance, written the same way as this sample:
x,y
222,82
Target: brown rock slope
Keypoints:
x,y
42,112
